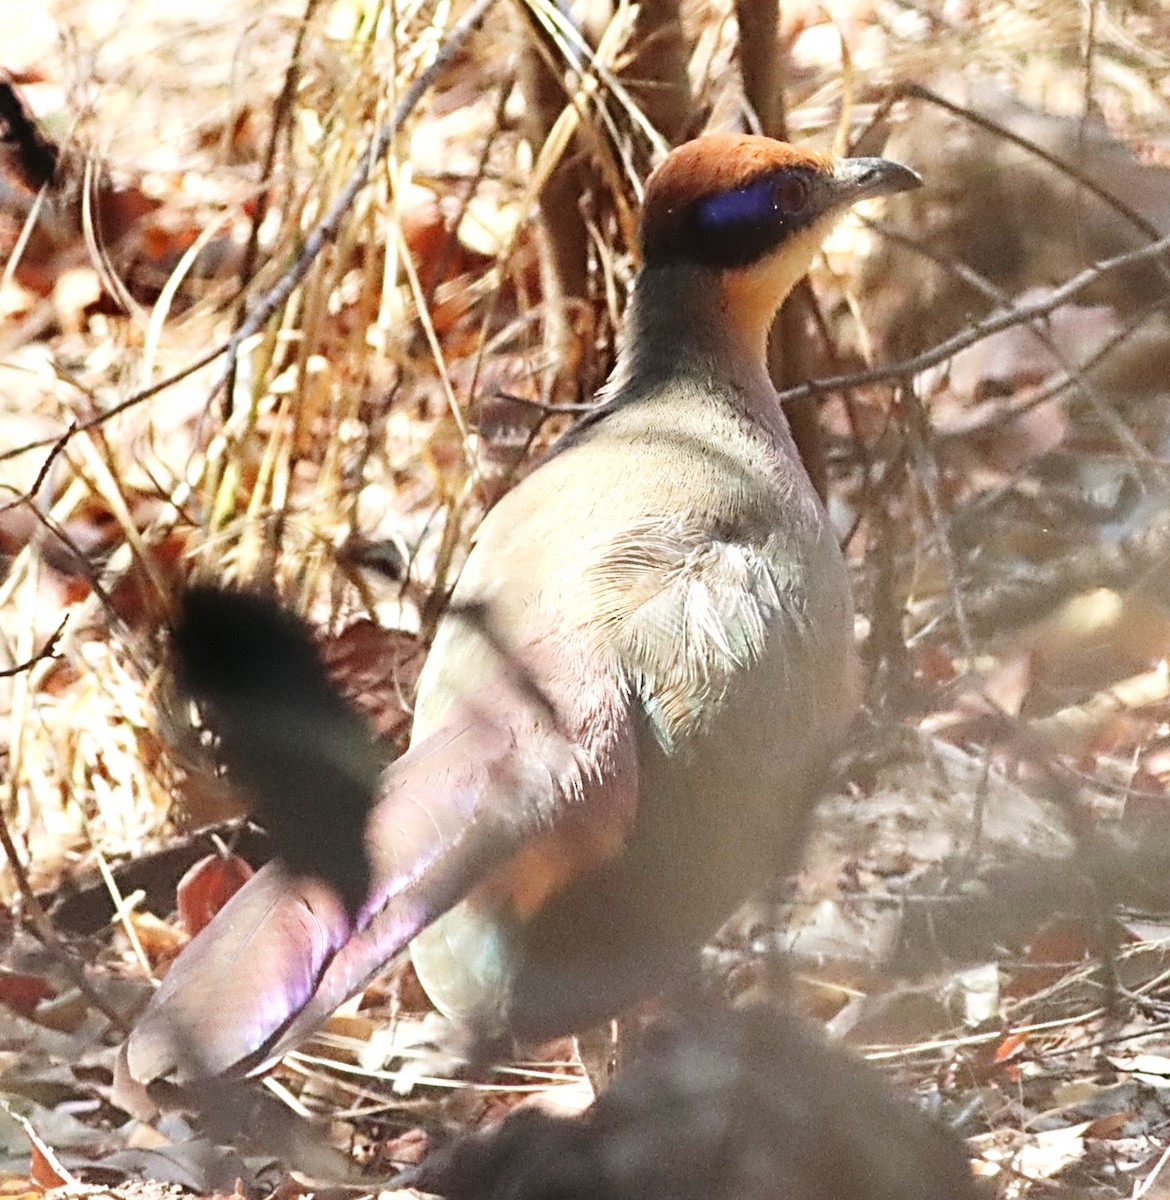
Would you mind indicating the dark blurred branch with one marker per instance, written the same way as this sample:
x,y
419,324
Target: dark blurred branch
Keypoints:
x,y
761,65
48,650
36,156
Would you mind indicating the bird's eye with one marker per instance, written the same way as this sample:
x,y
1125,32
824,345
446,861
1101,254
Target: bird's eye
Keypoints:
x,y
790,194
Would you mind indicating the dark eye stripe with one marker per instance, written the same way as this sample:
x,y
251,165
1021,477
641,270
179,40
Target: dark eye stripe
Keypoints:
x,y
756,202
737,227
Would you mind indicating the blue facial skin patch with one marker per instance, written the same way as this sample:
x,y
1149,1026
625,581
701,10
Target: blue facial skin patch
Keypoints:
x,y
734,228
745,206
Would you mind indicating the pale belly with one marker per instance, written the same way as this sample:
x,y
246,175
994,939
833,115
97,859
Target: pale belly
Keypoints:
x,y
716,820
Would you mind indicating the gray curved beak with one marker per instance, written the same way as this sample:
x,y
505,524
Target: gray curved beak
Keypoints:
x,y
862,178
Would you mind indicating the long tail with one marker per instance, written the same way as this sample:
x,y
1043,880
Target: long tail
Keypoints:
x,y
283,953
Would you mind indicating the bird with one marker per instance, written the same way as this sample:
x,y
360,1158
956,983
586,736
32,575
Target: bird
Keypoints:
x,y
628,710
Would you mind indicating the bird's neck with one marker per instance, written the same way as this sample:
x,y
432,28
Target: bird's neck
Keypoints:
x,y
686,321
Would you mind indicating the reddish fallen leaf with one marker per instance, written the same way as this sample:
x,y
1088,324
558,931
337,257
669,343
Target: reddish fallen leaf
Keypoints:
x,y
42,1172
134,597
207,887
23,993
438,253
1057,949
427,235
60,246
161,245
376,668
1064,943
935,666
1009,1047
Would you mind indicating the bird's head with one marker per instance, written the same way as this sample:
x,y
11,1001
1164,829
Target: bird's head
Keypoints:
x,y
754,211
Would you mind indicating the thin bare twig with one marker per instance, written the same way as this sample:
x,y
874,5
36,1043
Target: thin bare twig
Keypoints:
x,y
48,650
917,91
280,116
918,428
322,233
1007,411
327,228
1021,314
1074,374
49,937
